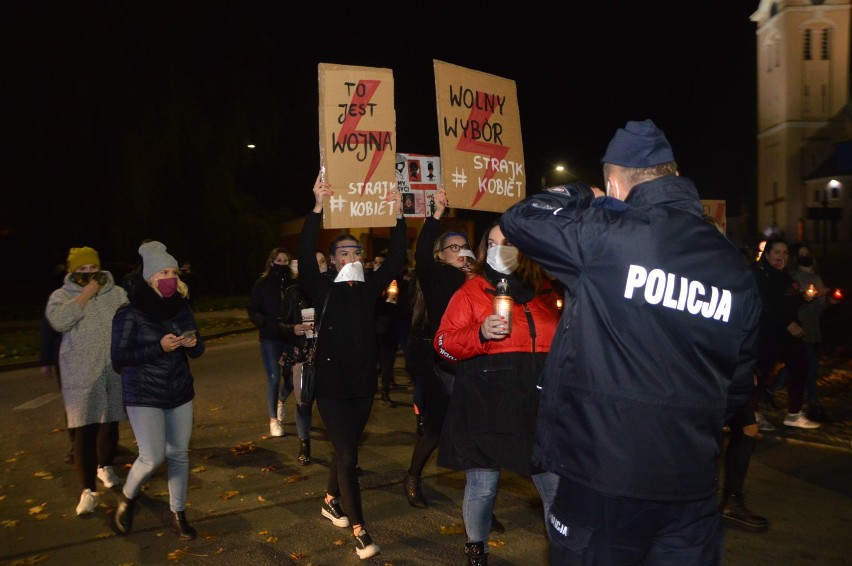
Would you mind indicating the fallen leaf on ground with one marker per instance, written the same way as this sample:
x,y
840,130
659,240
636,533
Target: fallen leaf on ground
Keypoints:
x,y
43,475
263,533
451,529
297,555
229,495
496,543
37,509
243,448
272,539
41,516
339,542
107,534
34,559
269,468
177,554
199,469
294,478
261,498
9,523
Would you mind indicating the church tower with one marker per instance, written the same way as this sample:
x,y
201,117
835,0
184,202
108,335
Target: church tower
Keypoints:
x,y
803,91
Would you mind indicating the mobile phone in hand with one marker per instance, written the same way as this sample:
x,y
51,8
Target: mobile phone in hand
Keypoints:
x,y
188,334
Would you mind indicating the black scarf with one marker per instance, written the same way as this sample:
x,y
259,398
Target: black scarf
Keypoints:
x,y
519,291
143,297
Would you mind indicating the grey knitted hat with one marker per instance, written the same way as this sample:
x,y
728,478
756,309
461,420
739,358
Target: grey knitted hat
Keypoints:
x,y
155,258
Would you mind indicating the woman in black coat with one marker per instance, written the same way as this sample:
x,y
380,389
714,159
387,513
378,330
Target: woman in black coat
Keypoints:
x,y
346,353
442,264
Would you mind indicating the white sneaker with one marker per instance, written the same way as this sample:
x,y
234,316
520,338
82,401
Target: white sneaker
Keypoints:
x,y
762,423
282,412
799,420
275,428
108,476
88,502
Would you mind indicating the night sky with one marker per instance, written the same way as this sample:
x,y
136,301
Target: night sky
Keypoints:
x,y
129,120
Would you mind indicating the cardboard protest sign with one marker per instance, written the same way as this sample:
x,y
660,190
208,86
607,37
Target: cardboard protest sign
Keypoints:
x,y
418,177
717,210
479,129
357,132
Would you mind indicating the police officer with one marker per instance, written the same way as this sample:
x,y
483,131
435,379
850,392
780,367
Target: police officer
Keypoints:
x,y
654,352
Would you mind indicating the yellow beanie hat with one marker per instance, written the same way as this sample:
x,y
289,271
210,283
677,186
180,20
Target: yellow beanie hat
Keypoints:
x,y
78,257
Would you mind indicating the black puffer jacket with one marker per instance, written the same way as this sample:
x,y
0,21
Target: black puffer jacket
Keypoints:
x,y
151,377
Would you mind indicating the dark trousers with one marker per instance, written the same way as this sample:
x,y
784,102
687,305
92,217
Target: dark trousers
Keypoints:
x,y
345,420
94,445
791,352
586,527
434,410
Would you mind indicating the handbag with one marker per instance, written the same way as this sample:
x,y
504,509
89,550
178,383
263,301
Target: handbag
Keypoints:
x,y
304,372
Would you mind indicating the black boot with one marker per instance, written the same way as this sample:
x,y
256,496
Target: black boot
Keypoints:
x,y
421,425
736,515
181,528
476,555
387,400
305,452
413,492
124,514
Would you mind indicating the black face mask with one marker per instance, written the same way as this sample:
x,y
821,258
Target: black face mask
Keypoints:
x,y
805,261
82,279
279,270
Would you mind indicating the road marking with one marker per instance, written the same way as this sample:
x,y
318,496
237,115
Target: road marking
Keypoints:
x,y
38,402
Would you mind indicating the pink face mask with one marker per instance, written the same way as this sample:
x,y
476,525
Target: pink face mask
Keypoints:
x,y
167,287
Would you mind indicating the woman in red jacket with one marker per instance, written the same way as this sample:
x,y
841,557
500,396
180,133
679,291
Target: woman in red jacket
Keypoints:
x,y
491,418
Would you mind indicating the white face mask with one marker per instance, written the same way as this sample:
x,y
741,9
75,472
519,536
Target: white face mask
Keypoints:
x,y
503,259
351,272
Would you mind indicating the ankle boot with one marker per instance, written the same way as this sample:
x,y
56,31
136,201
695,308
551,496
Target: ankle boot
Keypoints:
x,y
387,400
411,484
123,518
305,452
476,555
181,528
421,425
736,515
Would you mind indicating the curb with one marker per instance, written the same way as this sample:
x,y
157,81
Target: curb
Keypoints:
x,y
34,363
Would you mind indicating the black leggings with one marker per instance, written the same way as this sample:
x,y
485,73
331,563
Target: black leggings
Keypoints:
x,y
94,445
345,420
434,410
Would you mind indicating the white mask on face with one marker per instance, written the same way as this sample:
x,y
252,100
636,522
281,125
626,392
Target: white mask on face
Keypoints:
x,y
503,259
351,272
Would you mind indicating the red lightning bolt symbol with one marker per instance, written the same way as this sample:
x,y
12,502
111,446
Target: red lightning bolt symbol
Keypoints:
x,y
351,122
480,115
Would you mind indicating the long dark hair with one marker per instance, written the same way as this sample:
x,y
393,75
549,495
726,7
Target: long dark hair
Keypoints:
x,y
528,272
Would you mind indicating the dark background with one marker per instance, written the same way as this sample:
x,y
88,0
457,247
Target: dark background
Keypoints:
x,y
130,120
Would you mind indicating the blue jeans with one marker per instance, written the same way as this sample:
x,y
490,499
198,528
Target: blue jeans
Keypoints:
x,y
270,353
480,492
161,434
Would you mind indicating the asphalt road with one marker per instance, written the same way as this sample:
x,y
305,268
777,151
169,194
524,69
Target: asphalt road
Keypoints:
x,y
253,504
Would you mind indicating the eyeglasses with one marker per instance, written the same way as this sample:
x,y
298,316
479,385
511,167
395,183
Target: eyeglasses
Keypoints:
x,y
456,247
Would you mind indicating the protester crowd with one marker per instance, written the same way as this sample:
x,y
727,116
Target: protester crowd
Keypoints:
x,y
634,335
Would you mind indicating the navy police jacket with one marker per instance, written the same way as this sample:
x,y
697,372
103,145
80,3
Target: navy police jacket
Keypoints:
x,y
657,340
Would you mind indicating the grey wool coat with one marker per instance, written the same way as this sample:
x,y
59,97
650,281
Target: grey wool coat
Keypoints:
x,y
91,388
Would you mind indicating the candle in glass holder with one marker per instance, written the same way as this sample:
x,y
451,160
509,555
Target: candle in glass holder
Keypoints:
x,y
393,292
811,291
838,294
